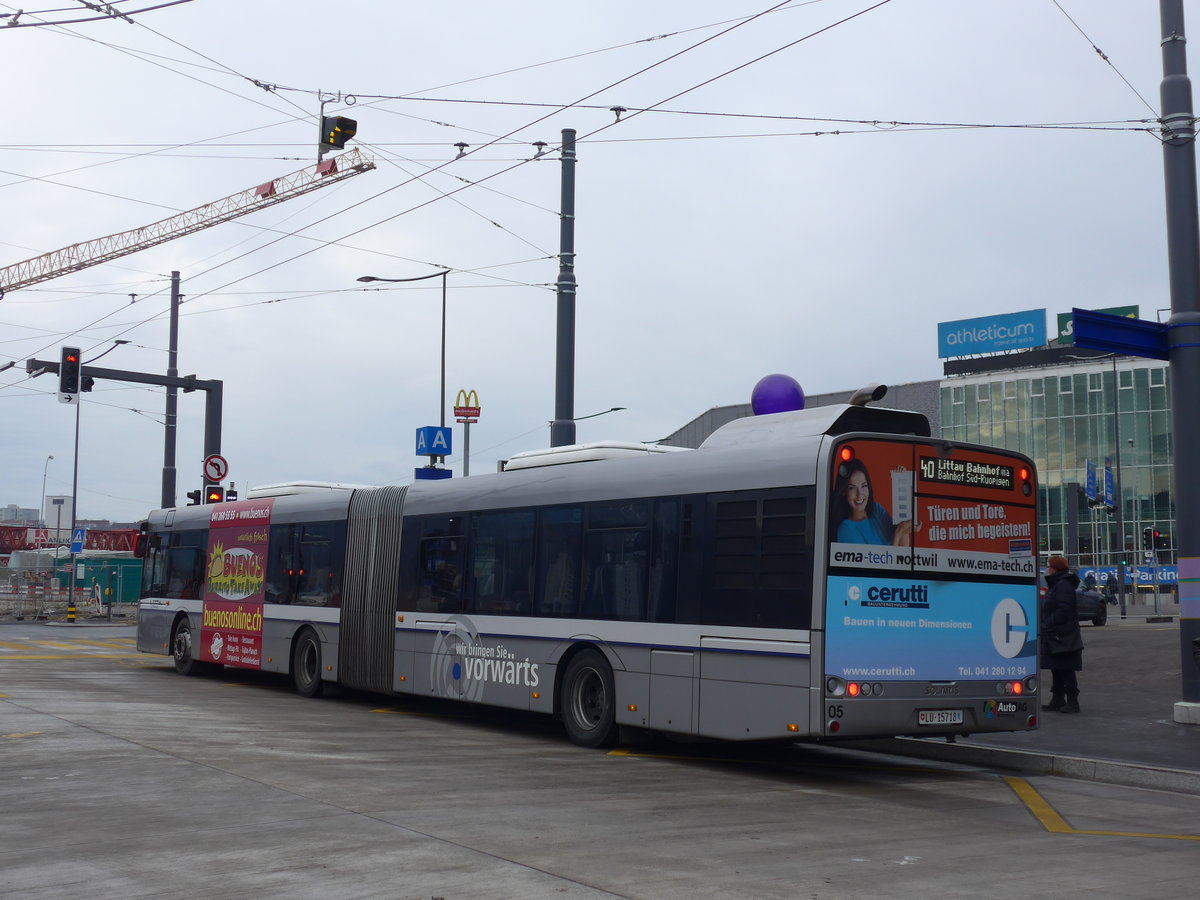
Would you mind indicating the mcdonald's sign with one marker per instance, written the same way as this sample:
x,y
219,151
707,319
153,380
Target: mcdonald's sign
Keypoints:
x,y
466,407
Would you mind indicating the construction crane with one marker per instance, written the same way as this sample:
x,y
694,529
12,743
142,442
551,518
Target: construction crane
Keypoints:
x,y
102,250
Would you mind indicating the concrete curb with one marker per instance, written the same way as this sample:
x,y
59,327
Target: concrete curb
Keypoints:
x,y
1027,763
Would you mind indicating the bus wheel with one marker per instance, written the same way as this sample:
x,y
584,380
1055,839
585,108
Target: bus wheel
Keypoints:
x,y
588,700
306,664
183,649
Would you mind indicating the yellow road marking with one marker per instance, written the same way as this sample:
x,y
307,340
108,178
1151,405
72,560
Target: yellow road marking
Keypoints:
x,y
1056,824
5,645
400,711
111,645
21,734
55,644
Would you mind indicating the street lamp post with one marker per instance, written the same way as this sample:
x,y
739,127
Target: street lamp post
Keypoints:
x,y
42,508
442,274
1118,500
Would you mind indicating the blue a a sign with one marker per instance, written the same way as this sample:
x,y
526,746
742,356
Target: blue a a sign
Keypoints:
x,y
433,440
78,536
992,334
1091,481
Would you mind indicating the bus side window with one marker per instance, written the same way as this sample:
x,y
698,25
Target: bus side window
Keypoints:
x,y
664,560
321,550
616,556
440,579
502,562
560,535
179,566
281,565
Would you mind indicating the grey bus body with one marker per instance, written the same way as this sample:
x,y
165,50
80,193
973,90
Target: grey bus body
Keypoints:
x,y
693,669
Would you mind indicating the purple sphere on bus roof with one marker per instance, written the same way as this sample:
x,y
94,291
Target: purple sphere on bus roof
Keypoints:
x,y
776,393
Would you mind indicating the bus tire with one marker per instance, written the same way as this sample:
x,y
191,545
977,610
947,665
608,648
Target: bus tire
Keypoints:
x,y
306,664
589,700
183,649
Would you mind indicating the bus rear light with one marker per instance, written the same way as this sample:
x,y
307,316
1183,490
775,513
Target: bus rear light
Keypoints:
x,y
1031,684
1016,687
846,453
853,689
835,727
834,686
537,695
793,727
632,707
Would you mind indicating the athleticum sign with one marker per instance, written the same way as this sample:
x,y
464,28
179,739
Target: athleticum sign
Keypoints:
x,y
992,334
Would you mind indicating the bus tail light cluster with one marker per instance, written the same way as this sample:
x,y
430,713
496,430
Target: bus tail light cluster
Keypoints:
x,y
836,687
1017,688
1025,474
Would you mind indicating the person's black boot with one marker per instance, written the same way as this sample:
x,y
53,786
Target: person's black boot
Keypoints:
x,y
1055,704
1071,706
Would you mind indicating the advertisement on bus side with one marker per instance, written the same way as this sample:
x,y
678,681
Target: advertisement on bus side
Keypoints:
x,y
918,508
890,628
235,582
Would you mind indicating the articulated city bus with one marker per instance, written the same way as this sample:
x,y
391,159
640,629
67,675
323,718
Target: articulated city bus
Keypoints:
x,y
818,574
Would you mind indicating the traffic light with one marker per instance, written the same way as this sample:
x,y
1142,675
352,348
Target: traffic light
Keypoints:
x,y
195,498
230,495
68,375
213,493
1148,538
336,130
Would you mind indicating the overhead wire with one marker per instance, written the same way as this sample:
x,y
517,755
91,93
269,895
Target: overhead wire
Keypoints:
x,y
1104,56
739,23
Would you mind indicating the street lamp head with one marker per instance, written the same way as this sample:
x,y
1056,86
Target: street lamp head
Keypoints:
x,y
400,280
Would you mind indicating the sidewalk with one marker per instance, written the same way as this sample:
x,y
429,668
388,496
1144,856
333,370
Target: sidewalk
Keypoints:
x,y
1126,733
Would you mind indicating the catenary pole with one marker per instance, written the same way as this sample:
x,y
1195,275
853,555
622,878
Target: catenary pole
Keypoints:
x,y
169,436
562,429
1183,259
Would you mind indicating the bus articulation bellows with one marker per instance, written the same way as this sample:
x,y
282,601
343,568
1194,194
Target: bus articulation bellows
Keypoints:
x,y
817,574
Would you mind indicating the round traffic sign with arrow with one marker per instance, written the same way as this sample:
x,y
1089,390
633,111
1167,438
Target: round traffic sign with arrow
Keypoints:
x,y
215,467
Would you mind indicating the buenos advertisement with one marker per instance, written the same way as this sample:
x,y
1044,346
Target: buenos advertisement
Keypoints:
x,y
919,508
232,623
929,630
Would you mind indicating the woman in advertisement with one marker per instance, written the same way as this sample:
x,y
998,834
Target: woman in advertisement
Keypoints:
x,y
857,517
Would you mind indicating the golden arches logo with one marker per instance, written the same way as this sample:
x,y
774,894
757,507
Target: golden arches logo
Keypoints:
x,y
466,406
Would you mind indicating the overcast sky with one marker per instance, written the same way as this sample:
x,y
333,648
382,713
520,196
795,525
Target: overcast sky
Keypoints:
x,y
799,196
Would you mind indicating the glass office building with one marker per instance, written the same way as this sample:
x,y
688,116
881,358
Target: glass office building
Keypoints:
x,y
1064,407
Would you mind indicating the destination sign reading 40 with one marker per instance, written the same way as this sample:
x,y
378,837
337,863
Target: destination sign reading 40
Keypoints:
x,y
967,473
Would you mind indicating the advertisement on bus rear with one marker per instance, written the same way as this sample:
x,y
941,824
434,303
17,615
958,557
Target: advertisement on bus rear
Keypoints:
x,y
924,508
913,629
234,589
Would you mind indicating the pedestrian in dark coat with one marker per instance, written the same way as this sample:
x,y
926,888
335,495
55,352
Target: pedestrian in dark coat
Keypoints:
x,y
1061,640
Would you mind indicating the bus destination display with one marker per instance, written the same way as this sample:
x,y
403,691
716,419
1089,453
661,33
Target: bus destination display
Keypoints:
x,y
948,470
